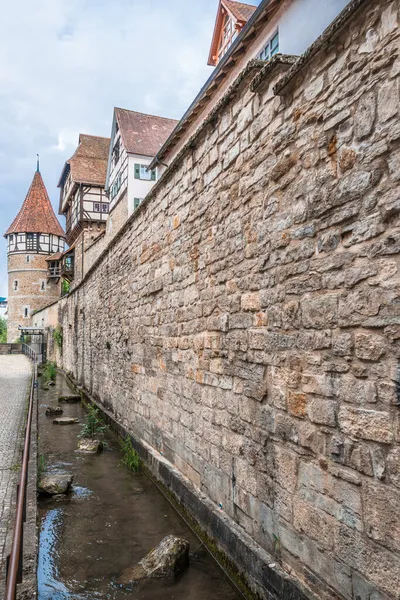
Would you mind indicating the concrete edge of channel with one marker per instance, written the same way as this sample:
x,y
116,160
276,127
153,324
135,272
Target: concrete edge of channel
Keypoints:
x,y
251,564
27,590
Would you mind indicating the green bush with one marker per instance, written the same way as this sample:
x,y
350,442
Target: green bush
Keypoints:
x,y
94,425
50,371
131,458
3,330
58,336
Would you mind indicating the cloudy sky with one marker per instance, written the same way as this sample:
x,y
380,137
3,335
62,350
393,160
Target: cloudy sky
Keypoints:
x,y
64,65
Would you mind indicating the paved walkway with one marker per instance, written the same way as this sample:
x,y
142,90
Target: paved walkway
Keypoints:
x,y
15,377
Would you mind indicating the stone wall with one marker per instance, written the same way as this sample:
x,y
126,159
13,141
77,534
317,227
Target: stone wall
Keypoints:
x,y
88,246
244,323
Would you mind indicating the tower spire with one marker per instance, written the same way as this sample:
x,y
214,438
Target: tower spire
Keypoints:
x,y
37,163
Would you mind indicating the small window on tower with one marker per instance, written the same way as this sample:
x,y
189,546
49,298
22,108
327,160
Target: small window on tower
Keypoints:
x,y
31,241
28,258
43,286
15,285
26,312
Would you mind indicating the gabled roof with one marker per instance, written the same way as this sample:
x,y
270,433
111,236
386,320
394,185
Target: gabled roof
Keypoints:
x,y
36,214
88,164
240,13
240,10
143,134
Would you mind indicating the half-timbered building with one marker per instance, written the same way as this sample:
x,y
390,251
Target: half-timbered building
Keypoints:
x,y
85,204
33,236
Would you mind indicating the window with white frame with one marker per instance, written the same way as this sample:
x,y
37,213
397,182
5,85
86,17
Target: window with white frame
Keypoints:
x,y
136,202
271,48
141,172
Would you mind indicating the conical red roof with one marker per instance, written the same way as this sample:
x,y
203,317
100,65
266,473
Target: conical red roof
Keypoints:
x,y
37,214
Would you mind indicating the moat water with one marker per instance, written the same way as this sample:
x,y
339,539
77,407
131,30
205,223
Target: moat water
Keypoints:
x,y
108,523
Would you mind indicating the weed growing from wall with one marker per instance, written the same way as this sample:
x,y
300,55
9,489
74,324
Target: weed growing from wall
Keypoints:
x,y
131,458
58,336
41,466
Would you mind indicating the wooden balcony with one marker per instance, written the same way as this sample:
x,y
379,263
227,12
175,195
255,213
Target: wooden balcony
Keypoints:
x,y
54,272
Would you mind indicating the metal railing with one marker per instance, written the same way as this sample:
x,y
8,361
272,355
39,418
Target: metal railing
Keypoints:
x,y
29,352
15,559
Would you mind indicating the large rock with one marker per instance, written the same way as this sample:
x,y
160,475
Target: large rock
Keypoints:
x,y
54,410
65,421
165,560
69,399
89,446
54,484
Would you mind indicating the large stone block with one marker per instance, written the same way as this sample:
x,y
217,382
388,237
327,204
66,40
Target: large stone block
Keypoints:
x,y
366,424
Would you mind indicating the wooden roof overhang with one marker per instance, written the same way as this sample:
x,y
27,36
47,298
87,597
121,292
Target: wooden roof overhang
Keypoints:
x,y
223,9
249,32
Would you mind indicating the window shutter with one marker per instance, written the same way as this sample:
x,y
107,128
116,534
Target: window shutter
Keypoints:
x,y
137,171
153,175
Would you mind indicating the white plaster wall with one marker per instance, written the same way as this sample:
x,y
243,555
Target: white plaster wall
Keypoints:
x,y
137,188
304,21
300,22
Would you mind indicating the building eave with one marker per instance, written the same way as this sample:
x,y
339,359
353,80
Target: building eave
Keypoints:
x,y
246,35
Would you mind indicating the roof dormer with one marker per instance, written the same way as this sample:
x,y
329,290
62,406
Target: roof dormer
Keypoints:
x,y
231,18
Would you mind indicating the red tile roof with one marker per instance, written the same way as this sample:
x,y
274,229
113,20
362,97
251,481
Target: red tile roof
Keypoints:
x,y
55,256
141,133
240,10
37,214
88,164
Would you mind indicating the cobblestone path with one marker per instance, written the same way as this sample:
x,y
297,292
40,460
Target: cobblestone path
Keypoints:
x,y
15,376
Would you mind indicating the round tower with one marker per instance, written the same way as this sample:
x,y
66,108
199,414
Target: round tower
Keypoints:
x,y
33,236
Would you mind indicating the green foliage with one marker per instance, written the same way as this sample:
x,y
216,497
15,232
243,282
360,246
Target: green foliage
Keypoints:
x,y
3,330
58,336
41,466
50,371
131,458
277,546
65,287
94,425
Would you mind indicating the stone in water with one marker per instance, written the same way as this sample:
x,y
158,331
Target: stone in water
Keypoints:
x,y
69,399
88,446
165,560
65,421
54,410
52,485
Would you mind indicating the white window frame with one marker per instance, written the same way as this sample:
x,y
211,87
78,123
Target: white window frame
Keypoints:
x,y
271,48
144,173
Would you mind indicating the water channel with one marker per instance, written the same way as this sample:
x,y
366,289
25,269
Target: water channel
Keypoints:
x,y
108,523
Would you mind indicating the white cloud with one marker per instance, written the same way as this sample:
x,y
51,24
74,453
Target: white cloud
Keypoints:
x,y
64,65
